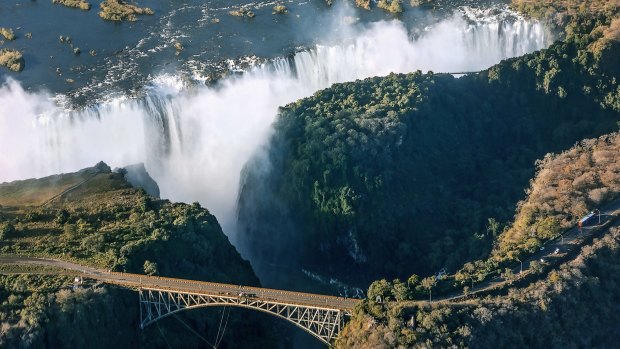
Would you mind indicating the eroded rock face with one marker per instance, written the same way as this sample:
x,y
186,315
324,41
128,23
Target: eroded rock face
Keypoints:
x,y
138,177
102,167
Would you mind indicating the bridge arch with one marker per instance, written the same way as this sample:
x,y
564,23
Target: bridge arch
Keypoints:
x,y
323,323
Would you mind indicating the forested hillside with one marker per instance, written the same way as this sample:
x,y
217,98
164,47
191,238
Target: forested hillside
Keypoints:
x,y
575,306
386,177
560,193
96,217
568,185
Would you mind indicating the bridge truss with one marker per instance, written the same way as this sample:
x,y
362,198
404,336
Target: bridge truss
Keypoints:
x,y
323,323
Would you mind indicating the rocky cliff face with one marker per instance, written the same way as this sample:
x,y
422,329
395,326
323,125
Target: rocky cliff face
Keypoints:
x,y
140,178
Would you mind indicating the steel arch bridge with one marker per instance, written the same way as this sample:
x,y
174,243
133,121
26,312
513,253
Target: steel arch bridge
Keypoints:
x,y
324,323
322,316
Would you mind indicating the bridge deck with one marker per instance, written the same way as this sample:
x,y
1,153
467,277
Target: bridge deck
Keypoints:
x,y
192,286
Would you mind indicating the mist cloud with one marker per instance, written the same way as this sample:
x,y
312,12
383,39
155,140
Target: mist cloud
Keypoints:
x,y
195,142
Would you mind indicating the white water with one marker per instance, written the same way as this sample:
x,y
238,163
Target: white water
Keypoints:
x,y
195,142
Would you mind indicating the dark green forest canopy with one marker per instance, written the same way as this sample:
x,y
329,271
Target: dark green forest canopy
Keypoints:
x,y
389,176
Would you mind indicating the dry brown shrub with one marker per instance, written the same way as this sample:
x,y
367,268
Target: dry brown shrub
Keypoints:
x,y
598,195
567,186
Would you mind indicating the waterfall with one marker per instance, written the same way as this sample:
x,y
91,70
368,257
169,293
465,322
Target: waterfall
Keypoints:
x,y
194,142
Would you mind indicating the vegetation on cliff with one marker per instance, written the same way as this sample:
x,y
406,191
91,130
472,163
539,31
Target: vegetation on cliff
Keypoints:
x,y
573,306
386,175
107,223
96,217
568,185
583,178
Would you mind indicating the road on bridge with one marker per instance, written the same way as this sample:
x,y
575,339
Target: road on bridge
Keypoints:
x,y
198,287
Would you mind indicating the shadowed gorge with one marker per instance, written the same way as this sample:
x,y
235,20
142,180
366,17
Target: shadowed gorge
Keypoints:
x,y
381,177
195,141
295,174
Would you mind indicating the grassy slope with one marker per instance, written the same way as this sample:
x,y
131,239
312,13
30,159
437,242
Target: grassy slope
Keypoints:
x,y
35,192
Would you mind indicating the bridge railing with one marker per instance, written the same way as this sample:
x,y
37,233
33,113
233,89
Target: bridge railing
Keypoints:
x,y
246,289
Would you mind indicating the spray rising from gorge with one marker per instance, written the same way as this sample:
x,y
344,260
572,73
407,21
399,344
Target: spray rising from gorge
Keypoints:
x,y
194,142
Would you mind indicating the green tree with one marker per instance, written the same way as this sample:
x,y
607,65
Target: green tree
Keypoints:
x,y
69,230
400,291
508,275
536,267
492,227
380,290
428,284
468,273
150,268
413,281
6,230
62,216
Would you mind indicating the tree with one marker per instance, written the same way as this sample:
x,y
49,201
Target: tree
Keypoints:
x,y
6,230
467,273
380,290
69,230
554,277
492,227
413,281
508,275
393,6
536,267
62,216
428,284
400,291
396,7
150,268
